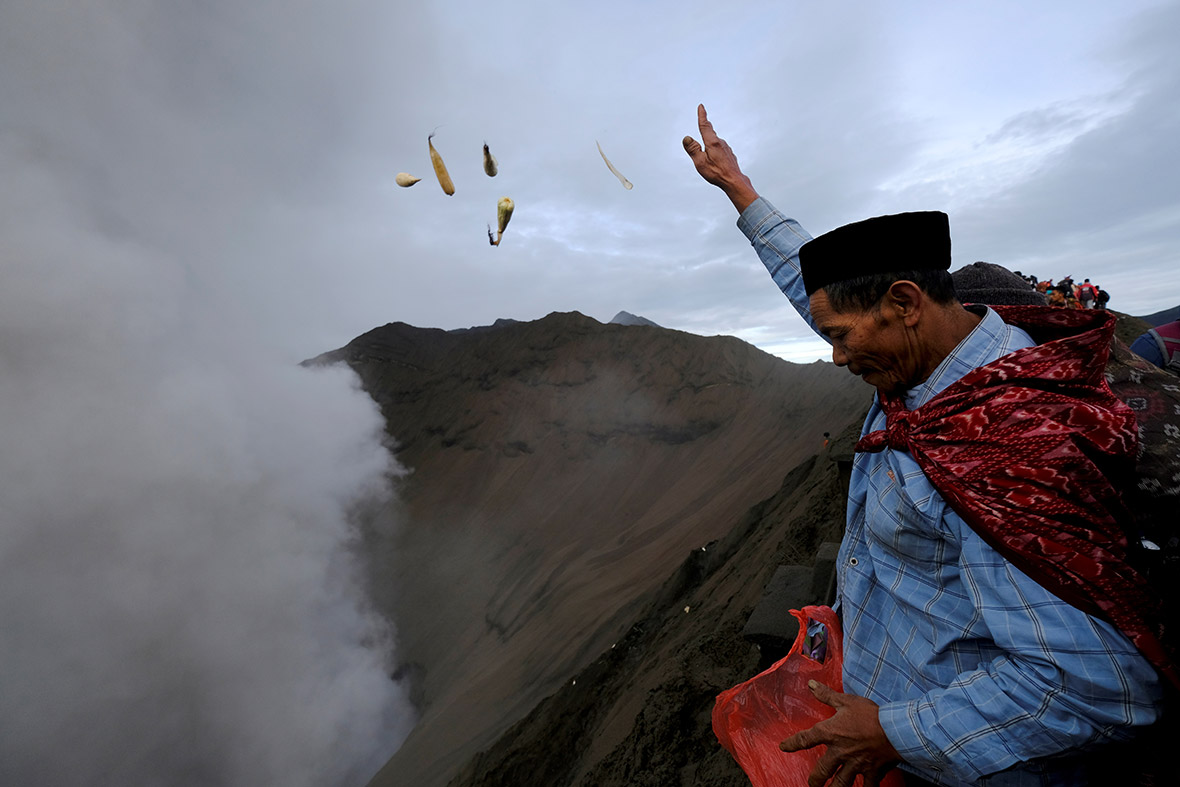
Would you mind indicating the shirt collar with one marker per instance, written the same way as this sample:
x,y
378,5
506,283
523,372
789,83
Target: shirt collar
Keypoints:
x,y
989,340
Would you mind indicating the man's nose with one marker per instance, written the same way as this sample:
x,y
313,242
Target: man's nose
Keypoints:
x,y
839,357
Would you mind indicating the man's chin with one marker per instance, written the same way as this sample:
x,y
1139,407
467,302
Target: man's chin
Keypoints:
x,y
880,381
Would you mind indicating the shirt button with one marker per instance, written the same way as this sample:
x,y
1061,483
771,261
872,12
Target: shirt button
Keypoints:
x,y
853,561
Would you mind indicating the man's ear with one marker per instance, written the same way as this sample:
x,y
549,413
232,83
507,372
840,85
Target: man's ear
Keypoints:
x,y
905,299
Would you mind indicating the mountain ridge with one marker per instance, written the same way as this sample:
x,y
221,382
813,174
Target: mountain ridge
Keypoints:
x,y
1157,319
560,469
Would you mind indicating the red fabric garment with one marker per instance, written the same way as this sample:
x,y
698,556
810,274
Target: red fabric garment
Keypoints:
x,y
1169,330
1028,450
1167,338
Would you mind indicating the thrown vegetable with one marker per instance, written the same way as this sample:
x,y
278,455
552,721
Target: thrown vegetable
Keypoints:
x,y
490,165
626,183
405,179
440,169
503,214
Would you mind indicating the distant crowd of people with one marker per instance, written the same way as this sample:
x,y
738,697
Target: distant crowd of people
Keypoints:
x,y
1069,294
985,282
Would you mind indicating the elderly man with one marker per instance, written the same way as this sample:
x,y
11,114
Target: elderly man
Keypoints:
x,y
963,660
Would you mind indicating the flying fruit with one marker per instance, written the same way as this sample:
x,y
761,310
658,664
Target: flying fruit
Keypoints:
x,y
440,169
504,210
490,165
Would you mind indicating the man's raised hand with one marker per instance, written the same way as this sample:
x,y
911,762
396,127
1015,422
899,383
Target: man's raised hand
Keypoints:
x,y
717,164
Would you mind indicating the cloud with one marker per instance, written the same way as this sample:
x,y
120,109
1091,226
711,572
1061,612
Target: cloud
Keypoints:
x,y
1060,119
1100,206
178,590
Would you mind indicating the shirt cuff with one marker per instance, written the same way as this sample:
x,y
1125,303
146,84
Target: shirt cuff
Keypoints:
x,y
900,722
754,216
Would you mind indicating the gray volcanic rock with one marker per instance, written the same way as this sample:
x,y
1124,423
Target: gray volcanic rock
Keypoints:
x,y
626,318
502,322
560,471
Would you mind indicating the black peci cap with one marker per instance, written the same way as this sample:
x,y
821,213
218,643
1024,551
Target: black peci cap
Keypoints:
x,y
882,244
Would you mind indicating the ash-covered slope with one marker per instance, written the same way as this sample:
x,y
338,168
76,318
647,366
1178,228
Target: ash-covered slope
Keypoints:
x,y
560,472
640,714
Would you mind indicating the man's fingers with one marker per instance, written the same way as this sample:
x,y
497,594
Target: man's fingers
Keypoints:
x,y
794,743
804,739
846,777
825,694
703,122
691,146
823,770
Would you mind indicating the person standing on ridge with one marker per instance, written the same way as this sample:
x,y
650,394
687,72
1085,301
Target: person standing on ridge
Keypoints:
x,y
962,661
1068,297
1102,297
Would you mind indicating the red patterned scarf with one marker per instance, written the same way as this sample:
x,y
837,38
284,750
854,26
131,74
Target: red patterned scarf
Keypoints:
x,y
1029,450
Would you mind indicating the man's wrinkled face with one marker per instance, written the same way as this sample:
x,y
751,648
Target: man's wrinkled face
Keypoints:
x,y
873,344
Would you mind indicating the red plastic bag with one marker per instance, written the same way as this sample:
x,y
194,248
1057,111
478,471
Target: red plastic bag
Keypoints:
x,y
754,717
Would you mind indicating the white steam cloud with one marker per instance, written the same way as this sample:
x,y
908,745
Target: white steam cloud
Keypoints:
x,y
180,601
176,593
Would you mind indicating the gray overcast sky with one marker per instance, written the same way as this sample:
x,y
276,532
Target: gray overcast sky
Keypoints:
x,y
257,144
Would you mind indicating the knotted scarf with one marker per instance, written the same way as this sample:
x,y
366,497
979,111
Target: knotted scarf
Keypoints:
x,y
1029,450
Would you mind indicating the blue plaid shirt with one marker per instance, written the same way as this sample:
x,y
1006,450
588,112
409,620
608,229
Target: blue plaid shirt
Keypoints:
x,y
982,675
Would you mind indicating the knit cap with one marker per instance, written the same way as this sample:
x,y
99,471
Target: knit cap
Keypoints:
x,y
994,285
